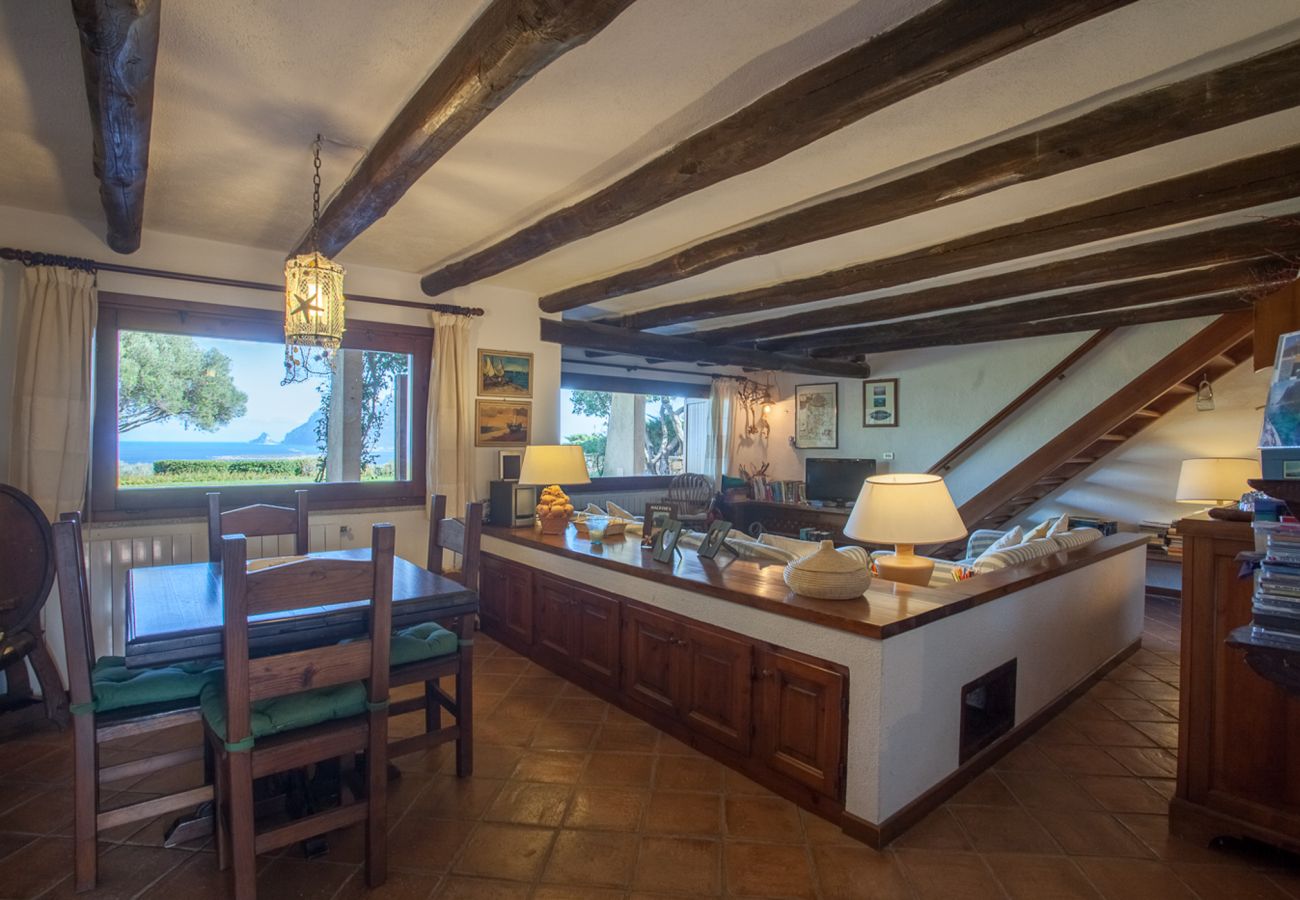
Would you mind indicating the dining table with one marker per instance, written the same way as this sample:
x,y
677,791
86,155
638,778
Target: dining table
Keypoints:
x,y
176,614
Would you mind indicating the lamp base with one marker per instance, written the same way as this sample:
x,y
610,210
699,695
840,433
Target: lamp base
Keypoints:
x,y
905,567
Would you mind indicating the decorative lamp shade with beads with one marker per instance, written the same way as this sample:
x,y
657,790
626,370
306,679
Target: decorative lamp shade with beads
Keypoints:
x,y
313,302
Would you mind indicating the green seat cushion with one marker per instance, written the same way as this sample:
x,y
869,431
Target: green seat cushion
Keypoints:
x,y
114,686
276,714
420,642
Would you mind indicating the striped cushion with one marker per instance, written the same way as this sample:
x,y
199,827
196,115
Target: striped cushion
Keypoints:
x,y
1076,537
980,540
1014,556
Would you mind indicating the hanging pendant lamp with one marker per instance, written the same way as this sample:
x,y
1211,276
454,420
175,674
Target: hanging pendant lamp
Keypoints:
x,y
313,302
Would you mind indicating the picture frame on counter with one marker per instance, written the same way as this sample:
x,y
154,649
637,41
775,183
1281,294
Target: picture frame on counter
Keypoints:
x,y
714,539
666,539
656,516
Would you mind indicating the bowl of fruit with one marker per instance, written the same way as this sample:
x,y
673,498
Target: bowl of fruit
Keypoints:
x,y
554,510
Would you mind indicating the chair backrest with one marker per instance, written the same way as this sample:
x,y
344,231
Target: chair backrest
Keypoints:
x,y
74,605
258,520
461,536
690,487
299,585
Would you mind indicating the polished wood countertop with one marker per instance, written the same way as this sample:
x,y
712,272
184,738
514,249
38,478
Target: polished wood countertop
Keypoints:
x,y
887,609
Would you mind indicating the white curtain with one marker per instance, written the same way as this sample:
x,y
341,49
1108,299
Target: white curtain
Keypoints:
x,y
720,449
450,468
49,449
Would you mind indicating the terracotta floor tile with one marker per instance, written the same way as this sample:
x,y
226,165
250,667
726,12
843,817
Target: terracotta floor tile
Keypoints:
x,y
940,830
1167,674
858,873
1134,879
1114,733
1048,790
399,886
460,887
552,735
735,783
487,682
527,708
613,809
1153,831
1236,881
1032,877
768,870
592,858
1082,833
509,732
1163,734
299,878
1153,690
945,876
1059,731
512,852
550,766
1129,672
638,738
1136,710
619,770
495,762
1124,794
448,797
688,865
47,812
986,789
675,812
1165,787
575,892
125,871
530,685
685,773
763,818
530,803
1076,759
1003,829
504,665
427,845
1106,689
670,746
1149,762
1025,758
580,709
817,830
196,879
1086,709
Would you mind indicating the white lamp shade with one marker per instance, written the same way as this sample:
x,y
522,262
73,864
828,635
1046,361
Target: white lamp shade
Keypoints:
x,y
1213,480
554,464
905,509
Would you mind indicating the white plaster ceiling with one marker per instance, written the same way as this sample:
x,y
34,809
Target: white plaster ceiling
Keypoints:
x,y
243,85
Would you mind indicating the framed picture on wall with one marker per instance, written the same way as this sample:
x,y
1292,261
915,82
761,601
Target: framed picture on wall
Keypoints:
x,y
880,403
817,416
502,423
502,373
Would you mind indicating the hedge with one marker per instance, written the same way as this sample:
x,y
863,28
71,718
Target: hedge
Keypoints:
x,y
216,468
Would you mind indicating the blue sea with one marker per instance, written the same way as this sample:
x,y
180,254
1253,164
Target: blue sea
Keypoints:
x,y
150,451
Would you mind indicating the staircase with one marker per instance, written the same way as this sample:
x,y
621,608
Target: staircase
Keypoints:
x,y
1215,350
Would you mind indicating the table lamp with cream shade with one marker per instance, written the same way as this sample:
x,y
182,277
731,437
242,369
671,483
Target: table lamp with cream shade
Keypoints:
x,y
905,510
1214,481
554,465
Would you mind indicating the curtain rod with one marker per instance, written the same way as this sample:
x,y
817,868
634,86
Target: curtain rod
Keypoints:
x,y
33,258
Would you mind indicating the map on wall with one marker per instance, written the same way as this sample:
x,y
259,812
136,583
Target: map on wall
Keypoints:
x,y
816,416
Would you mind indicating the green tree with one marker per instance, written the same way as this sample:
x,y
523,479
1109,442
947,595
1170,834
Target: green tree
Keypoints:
x,y
593,447
168,376
379,371
665,427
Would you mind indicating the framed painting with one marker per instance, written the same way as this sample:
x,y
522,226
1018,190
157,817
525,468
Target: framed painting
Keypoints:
x,y
502,373
817,416
502,423
880,403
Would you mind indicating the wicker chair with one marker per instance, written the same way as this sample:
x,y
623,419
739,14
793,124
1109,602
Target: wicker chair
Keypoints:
x,y
692,493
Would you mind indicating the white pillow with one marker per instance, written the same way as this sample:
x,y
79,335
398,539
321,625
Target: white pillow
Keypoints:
x,y
1010,539
1039,531
1060,526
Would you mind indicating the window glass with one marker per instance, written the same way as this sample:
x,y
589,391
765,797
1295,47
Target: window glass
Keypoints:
x,y
626,434
203,411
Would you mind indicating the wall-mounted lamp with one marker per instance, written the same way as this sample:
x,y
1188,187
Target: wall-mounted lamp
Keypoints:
x,y
757,400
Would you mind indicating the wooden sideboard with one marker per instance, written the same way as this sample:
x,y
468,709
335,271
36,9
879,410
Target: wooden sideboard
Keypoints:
x,y
787,518
1239,734
776,714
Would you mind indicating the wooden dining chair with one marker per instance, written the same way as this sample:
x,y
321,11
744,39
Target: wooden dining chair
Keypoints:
x,y
288,710
257,520
110,701
428,652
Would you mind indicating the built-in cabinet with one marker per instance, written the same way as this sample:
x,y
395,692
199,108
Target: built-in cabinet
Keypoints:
x,y
776,714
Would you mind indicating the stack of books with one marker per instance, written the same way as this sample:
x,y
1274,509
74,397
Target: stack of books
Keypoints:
x,y
1276,603
1158,536
778,491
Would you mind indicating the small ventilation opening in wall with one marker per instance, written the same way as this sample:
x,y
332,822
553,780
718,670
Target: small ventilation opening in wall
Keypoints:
x,y
988,709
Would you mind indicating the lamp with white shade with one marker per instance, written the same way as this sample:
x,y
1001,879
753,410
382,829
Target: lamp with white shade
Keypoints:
x,y
553,465
905,510
1214,481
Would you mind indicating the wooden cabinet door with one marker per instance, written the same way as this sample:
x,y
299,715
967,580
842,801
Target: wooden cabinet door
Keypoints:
x,y
596,633
553,619
506,600
800,728
717,685
650,666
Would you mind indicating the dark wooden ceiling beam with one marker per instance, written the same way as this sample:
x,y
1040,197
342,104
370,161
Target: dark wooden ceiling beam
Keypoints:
x,y
606,337
1252,240
948,38
1142,315
507,45
1195,105
1245,277
119,53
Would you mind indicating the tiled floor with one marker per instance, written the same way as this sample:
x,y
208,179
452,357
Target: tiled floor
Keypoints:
x,y
573,799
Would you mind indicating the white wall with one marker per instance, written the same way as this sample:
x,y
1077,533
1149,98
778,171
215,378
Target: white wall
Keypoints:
x,y
946,393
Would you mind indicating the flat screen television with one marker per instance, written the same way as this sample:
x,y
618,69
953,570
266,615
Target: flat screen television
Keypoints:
x,y
836,481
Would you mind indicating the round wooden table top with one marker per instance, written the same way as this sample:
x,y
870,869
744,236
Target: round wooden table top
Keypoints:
x,y
28,567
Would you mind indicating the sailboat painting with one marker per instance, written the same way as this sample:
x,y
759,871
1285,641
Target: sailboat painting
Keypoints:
x,y
502,423
505,374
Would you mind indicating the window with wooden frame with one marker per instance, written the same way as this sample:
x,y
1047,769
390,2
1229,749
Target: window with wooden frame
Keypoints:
x,y
189,399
